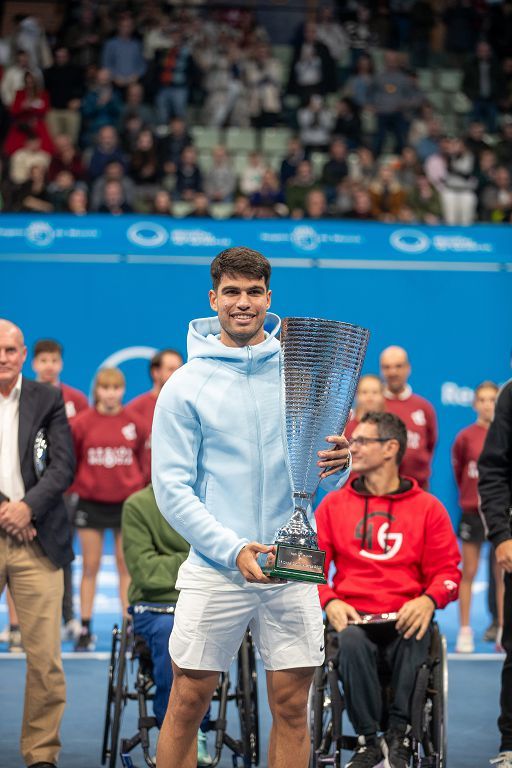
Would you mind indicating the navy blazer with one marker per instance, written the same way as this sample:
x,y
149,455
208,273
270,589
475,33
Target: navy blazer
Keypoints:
x,y
42,407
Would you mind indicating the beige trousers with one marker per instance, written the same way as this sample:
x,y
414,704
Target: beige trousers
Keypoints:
x,y
37,586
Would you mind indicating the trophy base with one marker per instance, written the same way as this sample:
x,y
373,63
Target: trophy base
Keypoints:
x,y
298,564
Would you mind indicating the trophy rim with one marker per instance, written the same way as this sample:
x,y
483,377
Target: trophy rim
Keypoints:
x,y
339,323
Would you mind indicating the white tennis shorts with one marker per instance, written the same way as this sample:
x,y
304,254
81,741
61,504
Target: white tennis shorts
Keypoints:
x,y
214,610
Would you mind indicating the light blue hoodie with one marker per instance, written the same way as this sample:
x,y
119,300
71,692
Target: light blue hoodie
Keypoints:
x,y
218,466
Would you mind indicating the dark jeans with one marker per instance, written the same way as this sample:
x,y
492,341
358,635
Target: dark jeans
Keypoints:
x,y
156,628
393,123
362,650
505,718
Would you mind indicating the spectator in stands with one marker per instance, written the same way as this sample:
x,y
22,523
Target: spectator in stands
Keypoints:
x,y
189,180
331,33
106,151
299,186
47,364
475,139
13,78
33,196
387,194
101,106
426,142
423,19
66,158
315,122
23,159
458,183
84,37
348,122
404,560
35,540
364,168
315,206
361,206
335,169
290,163
109,449
65,85
496,198
200,207
408,168
466,451
161,367
226,96
269,200
359,85
390,97
425,202
30,36
172,145
487,164
252,174
114,201
59,190
360,35
505,99
482,84
134,106
461,28
417,414
114,171
173,75
28,113
145,170
242,208
504,145
162,203
78,201
369,397
312,70
154,552
220,180
122,54
263,79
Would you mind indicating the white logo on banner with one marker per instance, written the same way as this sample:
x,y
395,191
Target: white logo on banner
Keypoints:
x,y
148,234
198,238
453,394
410,241
40,233
305,238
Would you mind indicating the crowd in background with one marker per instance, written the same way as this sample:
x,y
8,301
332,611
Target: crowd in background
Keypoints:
x,y
387,111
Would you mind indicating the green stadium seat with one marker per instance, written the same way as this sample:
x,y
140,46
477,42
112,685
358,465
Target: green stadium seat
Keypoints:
x,y
181,208
284,53
368,121
438,100
205,161
241,139
221,210
461,103
425,79
318,160
239,161
205,137
275,140
450,80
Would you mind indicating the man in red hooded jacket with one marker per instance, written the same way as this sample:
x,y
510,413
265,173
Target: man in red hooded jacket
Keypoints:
x,y
394,551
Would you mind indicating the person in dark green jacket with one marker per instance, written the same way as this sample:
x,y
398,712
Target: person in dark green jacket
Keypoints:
x,y
154,553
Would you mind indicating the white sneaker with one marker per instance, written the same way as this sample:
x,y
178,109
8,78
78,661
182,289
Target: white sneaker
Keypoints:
x,y
504,760
70,630
465,642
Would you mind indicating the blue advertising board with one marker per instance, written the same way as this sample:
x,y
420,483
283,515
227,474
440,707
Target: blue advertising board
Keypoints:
x,y
114,289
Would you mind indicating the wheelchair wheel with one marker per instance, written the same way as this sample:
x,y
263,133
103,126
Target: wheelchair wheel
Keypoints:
x,y
247,701
116,694
324,736
440,705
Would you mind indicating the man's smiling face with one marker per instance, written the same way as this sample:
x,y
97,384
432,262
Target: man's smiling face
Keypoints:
x,y
241,303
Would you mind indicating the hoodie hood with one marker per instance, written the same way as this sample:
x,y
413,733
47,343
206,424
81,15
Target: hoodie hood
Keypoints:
x,y
203,341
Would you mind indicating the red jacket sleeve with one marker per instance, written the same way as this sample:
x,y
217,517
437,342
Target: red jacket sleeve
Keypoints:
x,y
325,538
458,459
440,557
431,429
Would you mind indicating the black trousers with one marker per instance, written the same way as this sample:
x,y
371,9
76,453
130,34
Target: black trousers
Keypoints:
x,y
363,650
505,718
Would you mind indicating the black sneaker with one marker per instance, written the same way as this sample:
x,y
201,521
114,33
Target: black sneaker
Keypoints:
x,y
491,633
85,641
368,753
397,748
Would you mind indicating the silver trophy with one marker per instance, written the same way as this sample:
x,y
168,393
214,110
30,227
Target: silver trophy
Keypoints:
x,y
321,363
40,453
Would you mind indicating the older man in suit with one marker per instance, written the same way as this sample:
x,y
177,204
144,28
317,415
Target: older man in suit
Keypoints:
x,y
35,538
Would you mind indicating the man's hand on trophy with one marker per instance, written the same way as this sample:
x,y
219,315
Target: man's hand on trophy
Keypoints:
x,y
247,562
340,613
336,458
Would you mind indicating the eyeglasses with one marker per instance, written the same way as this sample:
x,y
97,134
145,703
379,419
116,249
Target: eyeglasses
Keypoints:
x,y
362,441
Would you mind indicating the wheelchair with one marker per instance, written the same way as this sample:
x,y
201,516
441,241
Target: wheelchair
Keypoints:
x,y
428,709
130,679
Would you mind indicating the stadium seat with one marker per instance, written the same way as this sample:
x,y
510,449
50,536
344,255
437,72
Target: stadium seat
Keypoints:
x,y
241,139
239,161
284,54
368,121
461,103
221,210
181,208
205,161
275,140
318,160
438,100
425,79
205,137
450,80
